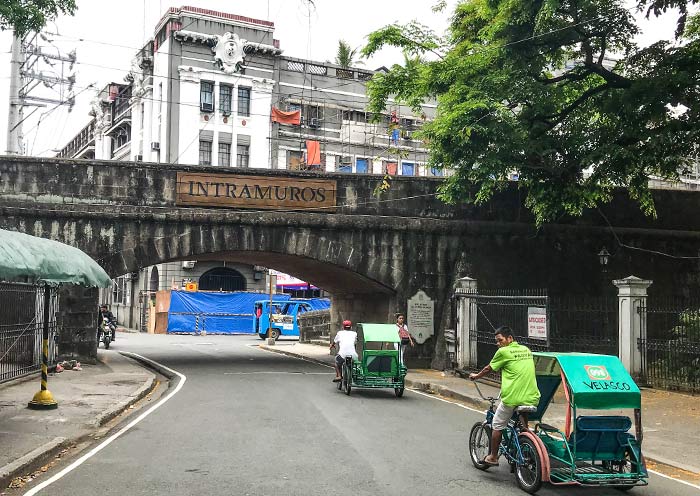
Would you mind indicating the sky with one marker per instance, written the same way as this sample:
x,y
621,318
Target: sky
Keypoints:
x,y
106,36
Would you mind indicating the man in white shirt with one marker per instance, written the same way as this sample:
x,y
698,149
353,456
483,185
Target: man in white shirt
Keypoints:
x,y
346,339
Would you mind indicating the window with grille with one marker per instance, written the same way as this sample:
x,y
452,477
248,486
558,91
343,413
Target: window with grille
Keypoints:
x,y
242,155
318,70
206,96
295,66
244,101
225,154
205,153
225,96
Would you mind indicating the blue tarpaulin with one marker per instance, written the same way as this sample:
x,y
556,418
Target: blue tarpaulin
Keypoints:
x,y
220,313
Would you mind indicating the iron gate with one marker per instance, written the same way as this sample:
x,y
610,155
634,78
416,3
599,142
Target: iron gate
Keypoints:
x,y
574,323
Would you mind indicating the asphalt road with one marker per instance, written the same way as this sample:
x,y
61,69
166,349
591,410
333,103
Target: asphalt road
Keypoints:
x,y
251,422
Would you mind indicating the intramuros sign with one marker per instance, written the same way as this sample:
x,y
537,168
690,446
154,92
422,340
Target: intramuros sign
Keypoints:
x,y
224,190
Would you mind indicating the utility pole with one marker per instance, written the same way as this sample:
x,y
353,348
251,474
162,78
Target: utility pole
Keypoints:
x,y
24,79
15,114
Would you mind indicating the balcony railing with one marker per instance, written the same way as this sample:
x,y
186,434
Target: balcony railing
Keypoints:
x,y
83,139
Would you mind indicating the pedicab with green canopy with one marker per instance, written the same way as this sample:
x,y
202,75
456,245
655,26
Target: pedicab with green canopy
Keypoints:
x,y
376,368
593,449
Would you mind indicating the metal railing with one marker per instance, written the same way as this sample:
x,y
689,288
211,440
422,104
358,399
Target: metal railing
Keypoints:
x,y
671,364
21,327
671,350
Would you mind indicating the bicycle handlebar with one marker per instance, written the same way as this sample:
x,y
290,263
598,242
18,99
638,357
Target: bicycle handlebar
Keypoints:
x,y
487,398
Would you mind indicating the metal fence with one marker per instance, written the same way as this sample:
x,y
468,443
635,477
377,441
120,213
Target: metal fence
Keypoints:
x,y
21,328
574,323
671,351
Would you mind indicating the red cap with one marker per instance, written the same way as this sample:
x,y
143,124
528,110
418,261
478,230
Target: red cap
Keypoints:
x,y
347,323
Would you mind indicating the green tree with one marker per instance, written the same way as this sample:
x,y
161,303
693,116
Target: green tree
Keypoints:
x,y
24,16
345,56
555,91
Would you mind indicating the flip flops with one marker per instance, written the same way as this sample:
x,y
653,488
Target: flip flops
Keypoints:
x,y
337,379
490,464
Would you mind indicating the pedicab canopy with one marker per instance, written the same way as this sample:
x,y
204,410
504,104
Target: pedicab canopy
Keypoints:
x,y
381,333
31,259
596,382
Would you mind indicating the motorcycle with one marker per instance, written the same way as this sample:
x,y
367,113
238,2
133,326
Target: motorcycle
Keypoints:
x,y
105,333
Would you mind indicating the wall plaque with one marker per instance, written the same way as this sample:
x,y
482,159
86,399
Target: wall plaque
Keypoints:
x,y
225,190
420,317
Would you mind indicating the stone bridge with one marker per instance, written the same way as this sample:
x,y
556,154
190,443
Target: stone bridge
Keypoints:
x,y
371,253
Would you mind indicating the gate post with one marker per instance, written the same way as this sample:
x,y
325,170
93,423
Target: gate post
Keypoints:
x,y
632,295
466,325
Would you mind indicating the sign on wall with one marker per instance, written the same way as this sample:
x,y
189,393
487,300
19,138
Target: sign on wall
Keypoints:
x,y
420,317
223,190
537,323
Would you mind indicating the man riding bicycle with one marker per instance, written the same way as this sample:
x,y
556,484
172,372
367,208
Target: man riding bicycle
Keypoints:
x,y
518,385
346,339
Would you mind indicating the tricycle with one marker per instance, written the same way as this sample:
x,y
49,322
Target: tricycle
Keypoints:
x,y
376,368
592,450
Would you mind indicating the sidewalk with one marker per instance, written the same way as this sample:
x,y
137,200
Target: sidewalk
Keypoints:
x,y
86,400
671,420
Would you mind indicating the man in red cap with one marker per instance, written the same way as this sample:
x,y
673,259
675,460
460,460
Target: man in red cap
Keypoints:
x,y
346,339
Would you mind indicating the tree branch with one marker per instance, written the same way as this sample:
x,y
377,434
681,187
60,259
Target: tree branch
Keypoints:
x,y
559,117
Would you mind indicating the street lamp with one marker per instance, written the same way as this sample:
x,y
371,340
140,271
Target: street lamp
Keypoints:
x,y
603,257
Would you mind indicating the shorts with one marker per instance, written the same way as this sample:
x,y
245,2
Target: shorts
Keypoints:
x,y
405,341
339,361
502,416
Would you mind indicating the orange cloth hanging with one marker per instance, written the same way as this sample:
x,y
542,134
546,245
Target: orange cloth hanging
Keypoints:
x,y
313,152
293,117
391,168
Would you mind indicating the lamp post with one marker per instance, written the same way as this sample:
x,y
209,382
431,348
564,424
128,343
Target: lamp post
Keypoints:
x,y
603,258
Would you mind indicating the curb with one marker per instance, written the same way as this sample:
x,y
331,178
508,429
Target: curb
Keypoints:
x,y
665,461
36,458
31,461
149,364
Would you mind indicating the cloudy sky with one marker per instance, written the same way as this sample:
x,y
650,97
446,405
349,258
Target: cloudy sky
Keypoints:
x,y
106,35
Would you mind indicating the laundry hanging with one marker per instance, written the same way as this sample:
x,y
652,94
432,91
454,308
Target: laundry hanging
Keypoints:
x,y
293,117
313,152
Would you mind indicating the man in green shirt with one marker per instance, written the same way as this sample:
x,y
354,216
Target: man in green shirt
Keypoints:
x,y
518,384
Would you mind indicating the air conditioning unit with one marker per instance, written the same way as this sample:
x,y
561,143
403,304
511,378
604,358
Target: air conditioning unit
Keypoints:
x,y
347,160
206,107
155,146
188,264
314,122
139,158
131,276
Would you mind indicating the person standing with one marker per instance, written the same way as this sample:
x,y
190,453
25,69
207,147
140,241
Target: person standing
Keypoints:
x,y
404,335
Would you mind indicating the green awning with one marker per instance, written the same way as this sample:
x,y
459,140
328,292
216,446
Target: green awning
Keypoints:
x,y
595,381
30,259
380,333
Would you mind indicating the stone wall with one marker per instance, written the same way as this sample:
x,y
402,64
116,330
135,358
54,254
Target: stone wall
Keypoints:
x,y
314,326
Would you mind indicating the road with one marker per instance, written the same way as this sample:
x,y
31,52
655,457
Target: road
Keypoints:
x,y
251,422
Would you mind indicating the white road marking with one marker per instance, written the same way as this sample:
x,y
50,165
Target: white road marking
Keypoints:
x,y
273,372
112,438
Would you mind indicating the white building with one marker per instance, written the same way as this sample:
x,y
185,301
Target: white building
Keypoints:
x,y
202,91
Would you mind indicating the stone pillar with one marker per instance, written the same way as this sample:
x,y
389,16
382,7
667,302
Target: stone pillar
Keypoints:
x,y
632,294
77,320
358,308
147,127
466,322
136,131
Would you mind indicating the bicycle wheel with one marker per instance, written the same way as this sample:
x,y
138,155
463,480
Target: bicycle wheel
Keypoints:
x,y
480,444
529,472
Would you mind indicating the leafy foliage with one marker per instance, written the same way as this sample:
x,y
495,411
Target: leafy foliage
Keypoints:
x,y
555,91
345,56
31,15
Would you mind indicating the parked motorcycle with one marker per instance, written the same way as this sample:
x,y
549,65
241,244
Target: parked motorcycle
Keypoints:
x,y
105,333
